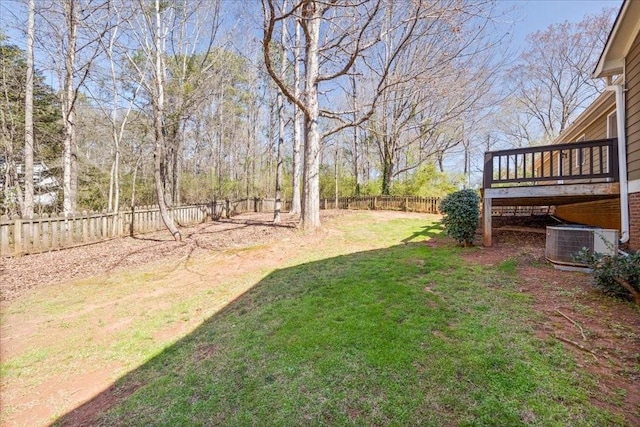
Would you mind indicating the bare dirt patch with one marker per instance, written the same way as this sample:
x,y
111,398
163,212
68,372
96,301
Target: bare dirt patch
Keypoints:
x,y
21,274
602,333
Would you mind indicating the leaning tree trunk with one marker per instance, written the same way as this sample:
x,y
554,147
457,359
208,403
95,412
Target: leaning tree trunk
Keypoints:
x,y
158,119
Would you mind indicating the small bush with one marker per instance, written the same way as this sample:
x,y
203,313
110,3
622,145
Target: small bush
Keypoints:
x,y
461,215
617,276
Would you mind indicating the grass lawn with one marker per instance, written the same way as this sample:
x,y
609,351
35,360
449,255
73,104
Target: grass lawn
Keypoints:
x,y
403,334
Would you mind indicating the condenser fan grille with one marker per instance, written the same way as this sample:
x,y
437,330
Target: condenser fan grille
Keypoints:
x,y
564,242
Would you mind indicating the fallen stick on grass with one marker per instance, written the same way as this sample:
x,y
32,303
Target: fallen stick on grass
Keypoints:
x,y
576,345
575,324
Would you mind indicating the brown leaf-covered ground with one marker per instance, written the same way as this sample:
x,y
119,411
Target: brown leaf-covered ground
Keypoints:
x,y
603,334
23,273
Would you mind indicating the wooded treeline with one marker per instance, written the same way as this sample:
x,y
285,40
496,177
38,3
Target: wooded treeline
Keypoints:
x,y
185,101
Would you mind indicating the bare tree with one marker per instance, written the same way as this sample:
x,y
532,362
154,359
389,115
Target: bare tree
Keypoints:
x,y
72,31
297,125
433,86
551,81
331,60
173,69
158,102
27,209
281,120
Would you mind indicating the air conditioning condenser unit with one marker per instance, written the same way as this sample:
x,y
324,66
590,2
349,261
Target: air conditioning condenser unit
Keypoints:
x,y
565,241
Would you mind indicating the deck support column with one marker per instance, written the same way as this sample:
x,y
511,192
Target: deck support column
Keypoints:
x,y
486,219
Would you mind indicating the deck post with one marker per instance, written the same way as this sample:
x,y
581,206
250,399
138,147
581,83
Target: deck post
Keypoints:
x,y
486,218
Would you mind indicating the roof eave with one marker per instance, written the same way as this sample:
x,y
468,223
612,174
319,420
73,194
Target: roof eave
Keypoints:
x,y
624,31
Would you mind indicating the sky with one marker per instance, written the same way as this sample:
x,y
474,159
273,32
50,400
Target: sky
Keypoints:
x,y
535,15
530,15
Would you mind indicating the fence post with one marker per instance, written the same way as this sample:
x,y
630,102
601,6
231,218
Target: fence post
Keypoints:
x,y
4,235
54,226
228,208
26,234
45,225
35,233
104,231
85,227
132,226
17,236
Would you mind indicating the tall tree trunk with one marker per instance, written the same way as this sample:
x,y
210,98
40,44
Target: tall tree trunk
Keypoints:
x,y
355,136
297,118
336,174
280,105
278,195
69,110
312,15
387,172
158,125
27,209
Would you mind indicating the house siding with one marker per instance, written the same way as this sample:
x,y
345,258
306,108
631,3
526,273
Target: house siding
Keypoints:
x,y
592,127
633,109
603,213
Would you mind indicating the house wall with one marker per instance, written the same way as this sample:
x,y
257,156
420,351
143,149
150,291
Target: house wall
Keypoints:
x,y
633,138
591,126
603,213
633,109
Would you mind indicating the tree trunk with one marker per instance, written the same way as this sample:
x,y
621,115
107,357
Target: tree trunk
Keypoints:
x,y
158,123
336,175
68,112
297,116
355,136
278,196
280,105
387,176
27,209
311,176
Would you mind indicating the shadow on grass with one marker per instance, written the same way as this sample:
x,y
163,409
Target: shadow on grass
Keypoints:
x,y
427,232
404,335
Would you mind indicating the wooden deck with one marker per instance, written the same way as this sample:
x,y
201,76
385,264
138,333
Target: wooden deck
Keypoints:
x,y
549,175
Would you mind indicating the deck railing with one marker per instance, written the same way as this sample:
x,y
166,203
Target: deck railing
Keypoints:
x,y
572,163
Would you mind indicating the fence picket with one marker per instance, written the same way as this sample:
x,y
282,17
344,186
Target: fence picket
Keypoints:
x,y
18,236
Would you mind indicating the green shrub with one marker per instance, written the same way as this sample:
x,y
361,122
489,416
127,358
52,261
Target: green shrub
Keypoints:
x,y
617,276
461,215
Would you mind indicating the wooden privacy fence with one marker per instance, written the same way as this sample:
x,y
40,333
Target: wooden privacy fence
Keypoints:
x,y
45,233
389,203
41,234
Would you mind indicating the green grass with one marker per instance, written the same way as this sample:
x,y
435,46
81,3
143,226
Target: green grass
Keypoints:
x,y
404,334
